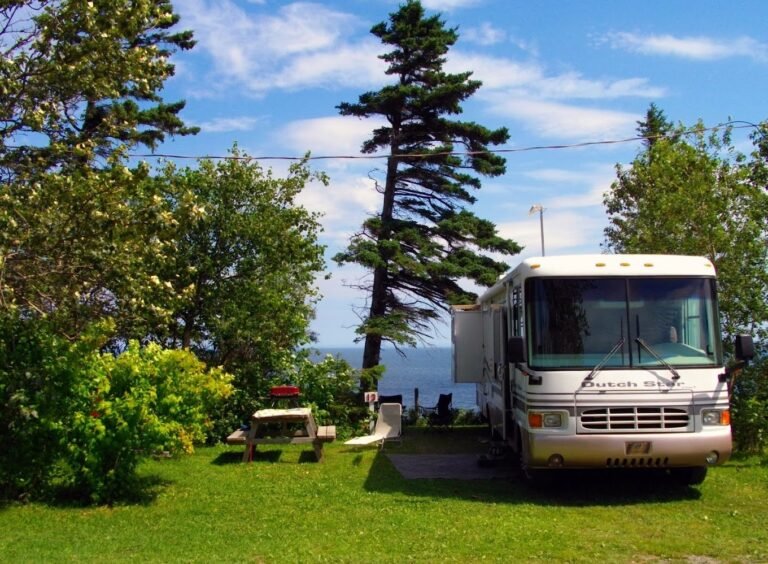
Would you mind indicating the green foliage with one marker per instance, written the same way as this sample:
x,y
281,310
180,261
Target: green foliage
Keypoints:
x,y
242,272
245,257
655,126
467,417
694,194
331,387
79,84
81,79
76,419
369,377
85,246
217,259
424,240
749,404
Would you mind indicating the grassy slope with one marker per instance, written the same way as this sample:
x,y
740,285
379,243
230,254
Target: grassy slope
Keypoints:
x,y
356,507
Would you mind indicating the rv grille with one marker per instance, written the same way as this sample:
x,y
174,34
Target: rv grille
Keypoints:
x,y
648,462
635,419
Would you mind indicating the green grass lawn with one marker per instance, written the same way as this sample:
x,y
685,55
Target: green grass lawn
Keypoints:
x,y
355,507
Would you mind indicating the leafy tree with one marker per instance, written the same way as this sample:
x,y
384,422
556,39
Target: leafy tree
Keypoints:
x,y
694,194
84,246
424,240
79,83
79,79
244,263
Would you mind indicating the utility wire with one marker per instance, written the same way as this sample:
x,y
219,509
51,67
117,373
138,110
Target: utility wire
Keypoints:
x,y
732,124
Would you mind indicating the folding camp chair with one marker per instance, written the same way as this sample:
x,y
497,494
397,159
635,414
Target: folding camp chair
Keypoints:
x,y
388,426
442,414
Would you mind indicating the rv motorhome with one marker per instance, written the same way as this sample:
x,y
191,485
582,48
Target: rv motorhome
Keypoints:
x,y
601,361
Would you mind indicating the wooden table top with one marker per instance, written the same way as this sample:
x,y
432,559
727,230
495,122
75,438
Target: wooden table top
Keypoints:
x,y
293,414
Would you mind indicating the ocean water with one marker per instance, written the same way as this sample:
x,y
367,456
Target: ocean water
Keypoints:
x,y
428,369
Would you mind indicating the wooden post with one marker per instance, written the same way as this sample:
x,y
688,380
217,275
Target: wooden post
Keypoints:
x,y
416,400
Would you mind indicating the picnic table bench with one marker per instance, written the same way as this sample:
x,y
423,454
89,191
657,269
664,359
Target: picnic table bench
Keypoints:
x,y
308,433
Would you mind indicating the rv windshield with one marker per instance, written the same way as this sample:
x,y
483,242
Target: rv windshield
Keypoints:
x,y
576,322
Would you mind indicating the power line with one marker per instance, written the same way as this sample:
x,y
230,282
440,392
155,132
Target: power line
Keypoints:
x,y
732,124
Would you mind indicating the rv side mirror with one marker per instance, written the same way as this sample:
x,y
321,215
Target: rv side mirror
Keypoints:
x,y
744,347
516,350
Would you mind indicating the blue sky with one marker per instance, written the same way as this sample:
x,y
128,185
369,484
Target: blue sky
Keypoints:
x,y
268,75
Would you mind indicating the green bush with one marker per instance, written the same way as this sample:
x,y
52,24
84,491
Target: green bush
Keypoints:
x,y
76,419
749,404
38,375
330,386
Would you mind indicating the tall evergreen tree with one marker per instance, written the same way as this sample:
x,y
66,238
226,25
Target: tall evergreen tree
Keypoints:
x,y
655,126
424,240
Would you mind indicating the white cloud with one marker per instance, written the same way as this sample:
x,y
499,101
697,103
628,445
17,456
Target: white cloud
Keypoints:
x,y
301,27
345,203
351,195
696,48
346,65
348,200
335,135
573,85
494,72
302,44
562,121
223,125
581,188
564,232
485,34
530,80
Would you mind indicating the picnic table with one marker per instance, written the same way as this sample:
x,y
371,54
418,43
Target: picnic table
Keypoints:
x,y
296,426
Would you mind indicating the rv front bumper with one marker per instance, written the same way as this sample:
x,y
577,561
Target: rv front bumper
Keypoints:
x,y
630,450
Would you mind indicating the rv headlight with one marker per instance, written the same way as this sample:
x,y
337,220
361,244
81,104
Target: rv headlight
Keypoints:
x,y
553,420
546,419
715,417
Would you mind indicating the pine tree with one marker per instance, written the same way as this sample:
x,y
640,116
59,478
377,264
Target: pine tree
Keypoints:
x,y
424,240
654,127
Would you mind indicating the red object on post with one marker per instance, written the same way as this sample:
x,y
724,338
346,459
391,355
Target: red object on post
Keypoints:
x,y
284,391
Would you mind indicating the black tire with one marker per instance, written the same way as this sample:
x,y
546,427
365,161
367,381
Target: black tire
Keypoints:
x,y
691,476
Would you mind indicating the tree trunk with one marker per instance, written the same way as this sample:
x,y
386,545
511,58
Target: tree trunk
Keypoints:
x,y
372,350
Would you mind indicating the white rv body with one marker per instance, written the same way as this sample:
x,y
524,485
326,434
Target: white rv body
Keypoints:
x,y
597,361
